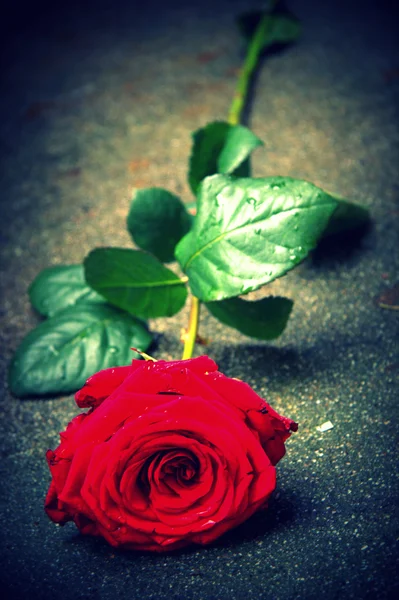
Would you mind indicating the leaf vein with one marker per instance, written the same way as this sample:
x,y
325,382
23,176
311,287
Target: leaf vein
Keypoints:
x,y
241,228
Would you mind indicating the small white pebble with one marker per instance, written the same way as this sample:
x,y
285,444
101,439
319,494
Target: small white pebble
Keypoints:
x,y
325,427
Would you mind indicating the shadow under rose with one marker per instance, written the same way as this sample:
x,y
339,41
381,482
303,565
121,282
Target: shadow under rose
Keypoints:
x,y
279,515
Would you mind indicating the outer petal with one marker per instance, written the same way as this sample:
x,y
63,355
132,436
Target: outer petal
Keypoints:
x,y
272,428
100,385
59,469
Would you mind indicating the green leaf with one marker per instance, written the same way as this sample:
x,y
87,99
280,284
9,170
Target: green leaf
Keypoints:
x,y
346,217
248,232
63,351
157,220
281,28
58,287
263,319
135,281
220,147
238,145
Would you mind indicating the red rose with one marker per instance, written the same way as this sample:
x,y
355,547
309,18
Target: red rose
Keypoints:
x,y
169,454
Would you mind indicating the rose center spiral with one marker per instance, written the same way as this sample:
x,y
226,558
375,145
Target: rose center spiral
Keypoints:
x,y
171,470
183,469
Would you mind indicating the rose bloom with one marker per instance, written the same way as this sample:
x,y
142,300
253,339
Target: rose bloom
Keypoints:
x,y
168,454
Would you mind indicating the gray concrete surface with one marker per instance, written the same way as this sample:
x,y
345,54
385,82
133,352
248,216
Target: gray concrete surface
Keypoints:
x,y
99,100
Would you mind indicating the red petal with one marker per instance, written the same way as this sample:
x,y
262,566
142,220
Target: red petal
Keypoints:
x,y
99,386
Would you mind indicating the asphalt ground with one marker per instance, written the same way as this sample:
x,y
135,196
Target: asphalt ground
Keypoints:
x,y
99,100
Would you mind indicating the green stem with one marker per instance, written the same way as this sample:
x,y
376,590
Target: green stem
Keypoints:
x,y
237,106
251,61
192,330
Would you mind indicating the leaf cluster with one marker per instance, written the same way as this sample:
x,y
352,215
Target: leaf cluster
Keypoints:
x,y
245,233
